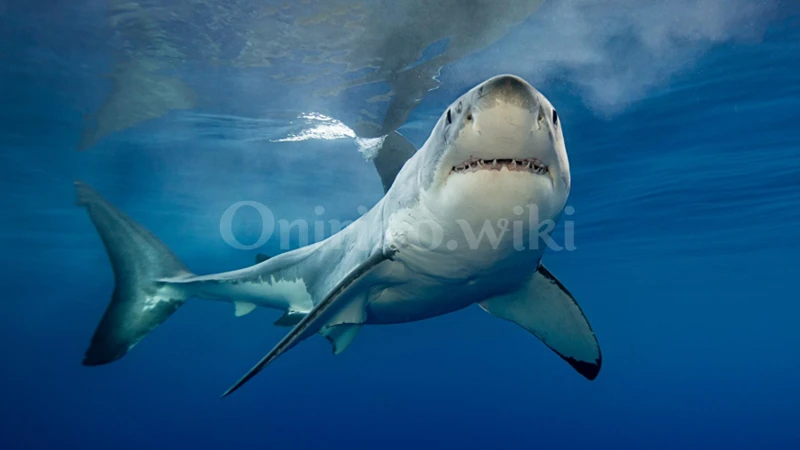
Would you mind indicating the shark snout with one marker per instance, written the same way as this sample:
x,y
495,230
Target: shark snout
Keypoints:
x,y
506,110
509,90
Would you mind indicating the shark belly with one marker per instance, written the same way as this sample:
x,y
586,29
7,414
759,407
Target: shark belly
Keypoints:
x,y
442,265
422,297
460,224
415,300
406,293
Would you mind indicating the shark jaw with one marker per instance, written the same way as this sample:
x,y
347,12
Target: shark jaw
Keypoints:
x,y
531,165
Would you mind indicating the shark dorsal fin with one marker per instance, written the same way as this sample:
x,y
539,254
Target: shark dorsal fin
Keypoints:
x,y
394,153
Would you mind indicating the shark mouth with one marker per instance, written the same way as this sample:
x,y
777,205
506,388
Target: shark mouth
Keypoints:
x,y
531,165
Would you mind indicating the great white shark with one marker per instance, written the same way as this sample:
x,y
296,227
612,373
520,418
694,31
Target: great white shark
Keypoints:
x,y
497,151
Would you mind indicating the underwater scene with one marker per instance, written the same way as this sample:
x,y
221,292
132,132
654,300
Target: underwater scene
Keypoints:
x,y
400,224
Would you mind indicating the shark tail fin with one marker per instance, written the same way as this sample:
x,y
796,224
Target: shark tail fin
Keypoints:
x,y
138,258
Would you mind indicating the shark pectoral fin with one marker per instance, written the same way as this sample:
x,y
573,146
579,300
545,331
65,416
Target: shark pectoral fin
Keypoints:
x,y
290,318
243,308
545,308
334,309
341,336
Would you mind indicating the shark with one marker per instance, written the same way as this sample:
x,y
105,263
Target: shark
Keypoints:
x,y
458,226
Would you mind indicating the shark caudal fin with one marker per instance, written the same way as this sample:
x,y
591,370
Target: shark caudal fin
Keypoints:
x,y
139,303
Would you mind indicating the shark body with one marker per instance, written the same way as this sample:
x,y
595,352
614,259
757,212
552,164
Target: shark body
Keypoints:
x,y
496,155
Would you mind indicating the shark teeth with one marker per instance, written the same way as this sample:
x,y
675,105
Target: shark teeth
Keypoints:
x,y
531,165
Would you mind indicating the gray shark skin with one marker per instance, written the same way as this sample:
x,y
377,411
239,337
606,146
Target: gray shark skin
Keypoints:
x,y
496,151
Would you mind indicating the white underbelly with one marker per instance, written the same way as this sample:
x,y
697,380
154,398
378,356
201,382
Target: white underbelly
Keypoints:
x,y
440,266
409,303
412,295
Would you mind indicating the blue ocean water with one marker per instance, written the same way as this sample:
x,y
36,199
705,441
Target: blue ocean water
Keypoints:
x,y
686,192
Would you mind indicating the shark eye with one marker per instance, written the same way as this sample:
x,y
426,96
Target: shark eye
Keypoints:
x,y
555,117
458,108
449,119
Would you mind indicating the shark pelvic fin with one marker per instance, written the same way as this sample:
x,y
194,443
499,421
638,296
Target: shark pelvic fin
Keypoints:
x,y
243,308
331,307
341,336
